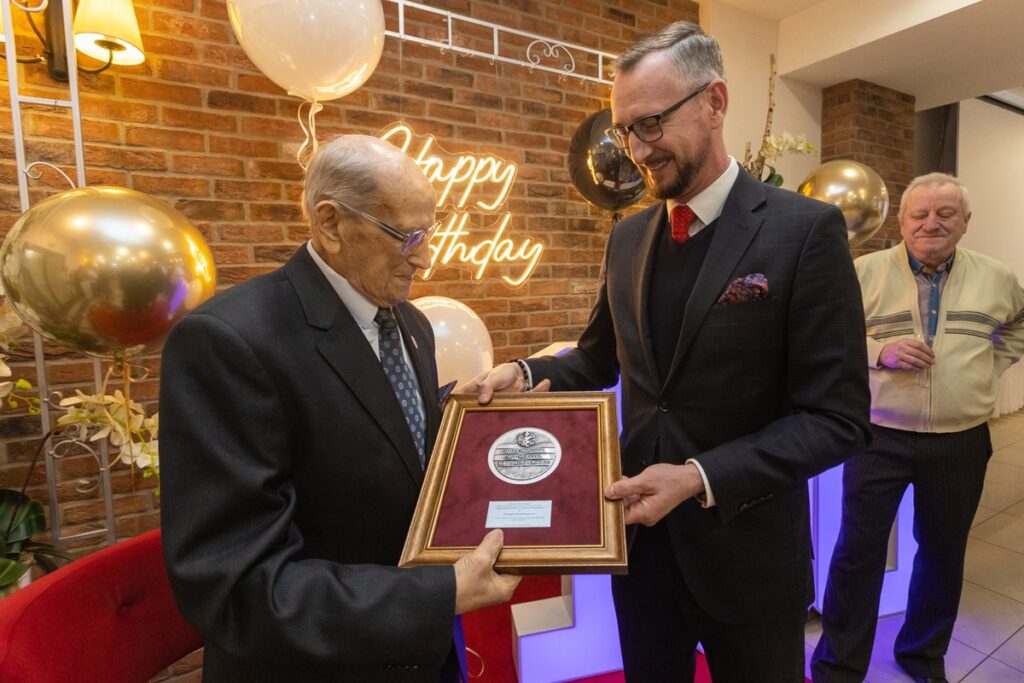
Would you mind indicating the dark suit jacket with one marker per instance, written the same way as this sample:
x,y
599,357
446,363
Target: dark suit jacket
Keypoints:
x,y
289,478
764,394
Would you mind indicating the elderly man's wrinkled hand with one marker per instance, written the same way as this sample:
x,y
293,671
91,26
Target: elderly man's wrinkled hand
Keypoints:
x,y
476,583
907,354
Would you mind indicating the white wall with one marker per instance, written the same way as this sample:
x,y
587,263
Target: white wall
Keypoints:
x,y
990,161
747,41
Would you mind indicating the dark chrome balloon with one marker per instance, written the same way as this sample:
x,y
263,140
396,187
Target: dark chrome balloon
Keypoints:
x,y
600,169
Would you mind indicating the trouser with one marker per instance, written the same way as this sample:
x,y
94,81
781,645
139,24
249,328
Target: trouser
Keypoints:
x,y
660,624
948,474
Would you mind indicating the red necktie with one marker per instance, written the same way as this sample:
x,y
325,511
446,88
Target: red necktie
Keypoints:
x,y
681,218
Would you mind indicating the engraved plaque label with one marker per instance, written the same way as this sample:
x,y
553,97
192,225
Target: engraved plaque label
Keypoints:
x,y
524,455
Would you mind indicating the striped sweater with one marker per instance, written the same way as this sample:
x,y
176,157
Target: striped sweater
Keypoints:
x,y
980,334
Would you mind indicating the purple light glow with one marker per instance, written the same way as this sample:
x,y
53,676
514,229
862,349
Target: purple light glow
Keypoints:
x,y
826,515
587,647
583,639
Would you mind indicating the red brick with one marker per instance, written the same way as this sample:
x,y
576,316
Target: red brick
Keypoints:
x,y
164,92
199,120
242,147
207,165
247,189
163,138
180,25
184,72
249,104
198,209
182,186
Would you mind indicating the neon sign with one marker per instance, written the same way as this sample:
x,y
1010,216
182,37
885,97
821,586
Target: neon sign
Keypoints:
x,y
469,183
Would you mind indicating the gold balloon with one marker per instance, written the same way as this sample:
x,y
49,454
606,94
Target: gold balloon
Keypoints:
x,y
105,270
858,192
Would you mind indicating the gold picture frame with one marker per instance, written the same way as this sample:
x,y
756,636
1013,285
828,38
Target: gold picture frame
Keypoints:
x,y
585,532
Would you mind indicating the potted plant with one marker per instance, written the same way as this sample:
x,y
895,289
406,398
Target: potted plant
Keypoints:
x,y
21,518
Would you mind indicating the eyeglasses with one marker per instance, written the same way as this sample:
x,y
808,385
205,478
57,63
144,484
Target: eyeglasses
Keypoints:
x,y
410,240
648,128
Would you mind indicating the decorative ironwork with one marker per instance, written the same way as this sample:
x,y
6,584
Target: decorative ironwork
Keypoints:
x,y
551,48
551,51
32,173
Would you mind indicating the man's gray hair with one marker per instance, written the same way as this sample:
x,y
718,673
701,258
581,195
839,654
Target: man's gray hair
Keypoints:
x,y
695,54
936,179
341,169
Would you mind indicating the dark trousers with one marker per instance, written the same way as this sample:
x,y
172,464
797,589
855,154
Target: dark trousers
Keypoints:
x,y
660,624
948,473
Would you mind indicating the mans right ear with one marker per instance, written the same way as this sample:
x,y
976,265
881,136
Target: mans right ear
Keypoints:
x,y
326,225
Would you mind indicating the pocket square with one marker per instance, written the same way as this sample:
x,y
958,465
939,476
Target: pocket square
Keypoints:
x,y
744,289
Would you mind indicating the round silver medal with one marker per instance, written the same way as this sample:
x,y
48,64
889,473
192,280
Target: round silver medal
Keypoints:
x,y
524,455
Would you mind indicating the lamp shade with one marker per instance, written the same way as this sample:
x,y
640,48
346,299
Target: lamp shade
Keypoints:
x,y
107,29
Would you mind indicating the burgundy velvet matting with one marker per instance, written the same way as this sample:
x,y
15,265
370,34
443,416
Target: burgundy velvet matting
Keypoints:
x,y
574,487
489,634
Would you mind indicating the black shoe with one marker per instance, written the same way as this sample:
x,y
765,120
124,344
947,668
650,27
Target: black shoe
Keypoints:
x,y
925,679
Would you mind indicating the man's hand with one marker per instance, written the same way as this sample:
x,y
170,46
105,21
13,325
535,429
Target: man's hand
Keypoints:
x,y
907,354
656,491
504,378
476,583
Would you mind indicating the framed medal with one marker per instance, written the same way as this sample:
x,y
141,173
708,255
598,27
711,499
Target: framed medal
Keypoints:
x,y
533,465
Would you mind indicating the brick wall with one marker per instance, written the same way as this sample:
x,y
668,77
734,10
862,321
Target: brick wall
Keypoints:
x,y
198,126
875,126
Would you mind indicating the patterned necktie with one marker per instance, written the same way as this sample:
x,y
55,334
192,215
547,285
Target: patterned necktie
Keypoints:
x,y
681,217
398,373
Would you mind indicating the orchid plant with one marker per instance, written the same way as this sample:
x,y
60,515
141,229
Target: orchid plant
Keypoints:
x,y
13,393
762,166
121,420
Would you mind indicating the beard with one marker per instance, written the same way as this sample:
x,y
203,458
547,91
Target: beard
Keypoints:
x,y
686,173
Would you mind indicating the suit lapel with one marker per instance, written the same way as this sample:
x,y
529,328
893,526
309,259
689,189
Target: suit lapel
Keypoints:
x,y
344,347
643,266
735,230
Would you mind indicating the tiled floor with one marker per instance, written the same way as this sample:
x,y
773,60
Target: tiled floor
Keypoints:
x,y
988,640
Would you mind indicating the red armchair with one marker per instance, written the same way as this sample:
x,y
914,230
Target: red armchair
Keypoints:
x,y
108,617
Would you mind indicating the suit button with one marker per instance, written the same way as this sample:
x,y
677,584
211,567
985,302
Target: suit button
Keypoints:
x,y
663,406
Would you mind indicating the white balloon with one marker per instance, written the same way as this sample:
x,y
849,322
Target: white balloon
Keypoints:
x,y
317,49
462,344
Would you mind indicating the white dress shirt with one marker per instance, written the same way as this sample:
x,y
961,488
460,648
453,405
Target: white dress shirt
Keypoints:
x,y
364,311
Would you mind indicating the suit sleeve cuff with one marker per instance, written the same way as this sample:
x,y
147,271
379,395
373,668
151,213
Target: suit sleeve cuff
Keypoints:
x,y
706,499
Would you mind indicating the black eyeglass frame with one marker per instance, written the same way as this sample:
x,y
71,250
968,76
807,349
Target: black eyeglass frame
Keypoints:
x,y
620,134
410,240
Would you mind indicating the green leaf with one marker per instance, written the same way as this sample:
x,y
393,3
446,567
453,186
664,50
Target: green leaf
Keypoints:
x,y
28,518
11,571
774,179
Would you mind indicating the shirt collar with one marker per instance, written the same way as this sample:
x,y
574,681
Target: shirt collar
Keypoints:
x,y
708,205
361,308
916,267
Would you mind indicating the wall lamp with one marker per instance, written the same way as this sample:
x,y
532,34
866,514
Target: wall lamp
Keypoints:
x,y
105,30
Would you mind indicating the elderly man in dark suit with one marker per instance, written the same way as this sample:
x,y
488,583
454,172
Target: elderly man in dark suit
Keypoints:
x,y
737,329
297,413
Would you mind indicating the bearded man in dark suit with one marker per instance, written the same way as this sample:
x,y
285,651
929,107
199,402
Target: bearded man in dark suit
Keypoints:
x,y
298,410
737,331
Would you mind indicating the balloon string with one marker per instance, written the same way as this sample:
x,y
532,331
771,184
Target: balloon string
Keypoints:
x,y
309,145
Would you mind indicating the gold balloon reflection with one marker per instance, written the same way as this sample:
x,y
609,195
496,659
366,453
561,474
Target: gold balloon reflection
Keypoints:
x,y
858,192
105,270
